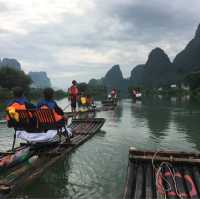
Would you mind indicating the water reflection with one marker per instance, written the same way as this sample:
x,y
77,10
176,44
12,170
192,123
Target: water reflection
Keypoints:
x,y
156,115
52,184
99,166
116,114
188,122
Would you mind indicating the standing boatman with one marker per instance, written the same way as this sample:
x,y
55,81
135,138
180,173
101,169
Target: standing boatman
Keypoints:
x,y
114,93
73,94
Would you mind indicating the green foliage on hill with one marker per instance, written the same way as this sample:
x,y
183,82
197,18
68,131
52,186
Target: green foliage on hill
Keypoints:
x,y
94,90
11,78
193,80
37,93
5,93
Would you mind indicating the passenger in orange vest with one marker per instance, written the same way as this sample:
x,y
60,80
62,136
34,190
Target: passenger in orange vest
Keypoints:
x,y
73,93
18,103
48,102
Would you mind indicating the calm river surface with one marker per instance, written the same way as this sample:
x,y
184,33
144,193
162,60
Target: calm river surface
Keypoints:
x,y
97,169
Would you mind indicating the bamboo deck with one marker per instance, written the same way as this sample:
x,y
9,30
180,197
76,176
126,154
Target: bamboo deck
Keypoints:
x,y
164,174
109,103
25,172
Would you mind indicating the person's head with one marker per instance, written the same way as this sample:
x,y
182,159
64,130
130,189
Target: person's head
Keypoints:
x,y
74,82
48,93
18,92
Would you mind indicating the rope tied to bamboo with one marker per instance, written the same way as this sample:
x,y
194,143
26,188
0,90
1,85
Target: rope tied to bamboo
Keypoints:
x,y
159,175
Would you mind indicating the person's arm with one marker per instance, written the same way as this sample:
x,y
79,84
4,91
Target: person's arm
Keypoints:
x,y
60,112
58,109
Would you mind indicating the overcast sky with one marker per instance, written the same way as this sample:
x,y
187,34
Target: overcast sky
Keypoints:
x,y
82,39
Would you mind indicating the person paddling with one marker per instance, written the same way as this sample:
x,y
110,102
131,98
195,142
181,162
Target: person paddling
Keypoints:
x,y
73,93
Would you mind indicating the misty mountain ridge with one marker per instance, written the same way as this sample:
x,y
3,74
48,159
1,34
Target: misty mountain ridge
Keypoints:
x,y
113,79
11,63
40,79
188,60
158,71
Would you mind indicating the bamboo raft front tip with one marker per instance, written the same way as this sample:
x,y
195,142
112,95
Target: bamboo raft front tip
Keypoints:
x,y
162,174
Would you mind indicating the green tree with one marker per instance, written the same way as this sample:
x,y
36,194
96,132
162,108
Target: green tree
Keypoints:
x,y
11,78
193,79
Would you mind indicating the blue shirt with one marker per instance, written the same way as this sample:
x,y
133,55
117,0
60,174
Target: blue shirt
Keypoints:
x,y
50,104
21,100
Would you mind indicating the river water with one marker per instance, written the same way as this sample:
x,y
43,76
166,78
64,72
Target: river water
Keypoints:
x,y
97,169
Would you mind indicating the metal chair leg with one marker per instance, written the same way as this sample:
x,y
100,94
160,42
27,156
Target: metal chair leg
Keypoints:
x,y
14,139
66,135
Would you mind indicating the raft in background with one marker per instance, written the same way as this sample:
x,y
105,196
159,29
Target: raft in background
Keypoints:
x,y
73,114
137,96
163,174
41,159
110,102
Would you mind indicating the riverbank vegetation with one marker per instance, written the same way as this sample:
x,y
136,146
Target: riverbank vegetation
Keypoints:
x,y
166,91
11,78
193,80
96,91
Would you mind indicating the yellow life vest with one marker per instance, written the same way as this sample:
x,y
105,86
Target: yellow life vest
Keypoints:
x,y
83,100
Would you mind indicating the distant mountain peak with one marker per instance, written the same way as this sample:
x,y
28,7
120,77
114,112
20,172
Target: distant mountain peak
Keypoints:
x,y
40,79
197,35
188,59
116,68
11,63
157,51
115,72
157,56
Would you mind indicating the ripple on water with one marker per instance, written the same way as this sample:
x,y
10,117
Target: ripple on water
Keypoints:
x,y
97,169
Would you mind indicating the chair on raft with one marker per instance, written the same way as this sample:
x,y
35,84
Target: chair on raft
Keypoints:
x,y
37,121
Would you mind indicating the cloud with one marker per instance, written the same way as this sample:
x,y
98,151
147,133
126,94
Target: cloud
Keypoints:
x,y
82,39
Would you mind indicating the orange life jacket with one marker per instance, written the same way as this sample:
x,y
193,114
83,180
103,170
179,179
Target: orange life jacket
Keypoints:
x,y
88,101
15,106
56,115
73,91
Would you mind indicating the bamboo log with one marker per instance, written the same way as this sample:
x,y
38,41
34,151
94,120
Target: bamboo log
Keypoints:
x,y
148,183
169,159
129,189
139,189
133,151
196,177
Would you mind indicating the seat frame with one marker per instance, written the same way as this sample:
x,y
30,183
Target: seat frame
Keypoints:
x,y
37,120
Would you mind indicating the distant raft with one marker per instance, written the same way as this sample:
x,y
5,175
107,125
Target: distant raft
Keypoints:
x,y
110,102
163,174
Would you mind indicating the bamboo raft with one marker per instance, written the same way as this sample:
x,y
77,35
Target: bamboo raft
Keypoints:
x,y
40,159
72,114
109,102
163,174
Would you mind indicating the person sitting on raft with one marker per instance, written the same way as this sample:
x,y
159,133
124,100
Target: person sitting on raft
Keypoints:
x,y
89,102
18,103
49,103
